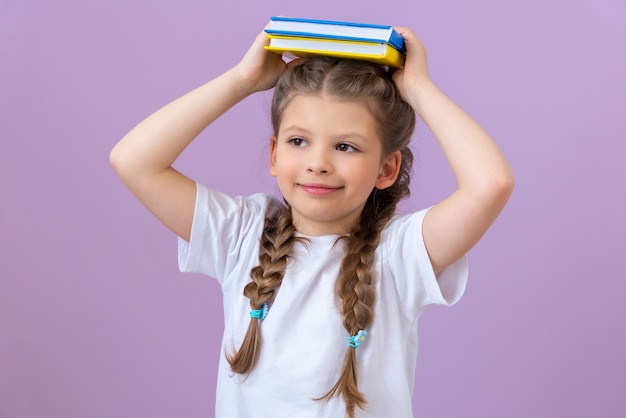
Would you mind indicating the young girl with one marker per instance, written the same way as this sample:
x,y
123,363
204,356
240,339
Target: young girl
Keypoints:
x,y
322,292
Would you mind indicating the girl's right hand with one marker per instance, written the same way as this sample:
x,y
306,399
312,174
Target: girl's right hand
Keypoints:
x,y
259,69
414,73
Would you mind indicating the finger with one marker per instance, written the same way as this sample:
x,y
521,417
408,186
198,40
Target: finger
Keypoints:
x,y
262,38
410,39
415,50
295,62
405,31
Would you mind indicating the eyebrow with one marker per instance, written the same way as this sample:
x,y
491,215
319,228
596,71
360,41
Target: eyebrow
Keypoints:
x,y
340,137
293,128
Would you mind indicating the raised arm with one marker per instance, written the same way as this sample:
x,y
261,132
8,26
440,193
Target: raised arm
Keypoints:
x,y
485,180
143,158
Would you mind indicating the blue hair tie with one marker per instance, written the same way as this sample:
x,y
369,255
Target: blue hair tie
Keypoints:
x,y
356,340
260,313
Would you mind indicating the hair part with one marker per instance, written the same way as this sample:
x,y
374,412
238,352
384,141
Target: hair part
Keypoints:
x,y
372,85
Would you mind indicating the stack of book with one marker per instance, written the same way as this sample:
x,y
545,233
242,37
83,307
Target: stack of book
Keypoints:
x,y
303,37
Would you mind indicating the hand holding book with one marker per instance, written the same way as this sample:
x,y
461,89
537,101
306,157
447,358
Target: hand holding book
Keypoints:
x,y
414,73
257,70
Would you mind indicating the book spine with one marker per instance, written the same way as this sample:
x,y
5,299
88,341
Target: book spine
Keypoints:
x,y
397,41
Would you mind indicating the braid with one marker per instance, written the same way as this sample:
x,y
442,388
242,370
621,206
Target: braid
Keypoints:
x,y
355,288
276,242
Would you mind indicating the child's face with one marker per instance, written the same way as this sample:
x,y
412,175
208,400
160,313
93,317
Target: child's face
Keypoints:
x,y
327,159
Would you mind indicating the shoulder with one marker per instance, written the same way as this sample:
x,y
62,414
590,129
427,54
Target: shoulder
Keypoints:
x,y
225,230
402,250
228,219
406,262
404,225
222,204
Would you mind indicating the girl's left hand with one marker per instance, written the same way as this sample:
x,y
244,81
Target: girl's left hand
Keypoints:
x,y
414,73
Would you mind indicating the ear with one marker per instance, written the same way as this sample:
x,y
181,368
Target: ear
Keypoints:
x,y
389,170
273,156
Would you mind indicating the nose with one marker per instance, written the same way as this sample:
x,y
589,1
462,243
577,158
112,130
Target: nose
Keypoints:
x,y
319,162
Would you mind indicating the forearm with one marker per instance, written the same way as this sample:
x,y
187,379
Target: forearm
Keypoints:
x,y
143,158
485,180
155,143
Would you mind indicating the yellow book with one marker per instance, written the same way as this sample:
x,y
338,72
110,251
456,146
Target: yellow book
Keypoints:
x,y
377,52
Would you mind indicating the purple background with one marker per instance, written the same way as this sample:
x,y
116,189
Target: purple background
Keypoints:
x,y
96,321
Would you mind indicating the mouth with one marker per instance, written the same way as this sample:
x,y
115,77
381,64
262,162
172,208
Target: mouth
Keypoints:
x,y
318,189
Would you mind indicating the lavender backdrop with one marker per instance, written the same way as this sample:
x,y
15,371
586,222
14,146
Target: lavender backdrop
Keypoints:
x,y
96,321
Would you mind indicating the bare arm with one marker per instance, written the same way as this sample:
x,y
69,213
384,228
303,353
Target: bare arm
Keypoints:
x,y
143,158
485,180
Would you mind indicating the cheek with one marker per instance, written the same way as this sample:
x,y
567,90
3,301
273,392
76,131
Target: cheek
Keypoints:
x,y
282,164
364,172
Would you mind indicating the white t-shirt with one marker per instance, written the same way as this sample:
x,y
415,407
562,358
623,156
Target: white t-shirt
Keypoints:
x,y
303,339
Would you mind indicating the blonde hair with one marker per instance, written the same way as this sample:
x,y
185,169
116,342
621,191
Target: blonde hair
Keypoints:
x,y
354,81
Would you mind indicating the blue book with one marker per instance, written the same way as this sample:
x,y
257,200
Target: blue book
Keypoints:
x,y
331,29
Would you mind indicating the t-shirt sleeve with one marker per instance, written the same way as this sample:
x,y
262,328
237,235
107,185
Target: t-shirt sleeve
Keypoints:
x,y
224,230
415,279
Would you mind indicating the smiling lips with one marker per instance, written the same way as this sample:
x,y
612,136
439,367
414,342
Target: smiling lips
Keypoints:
x,y
318,189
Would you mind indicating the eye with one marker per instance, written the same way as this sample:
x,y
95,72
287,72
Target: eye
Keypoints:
x,y
345,147
298,142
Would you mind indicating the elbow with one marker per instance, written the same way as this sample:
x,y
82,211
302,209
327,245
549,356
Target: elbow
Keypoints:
x,y
507,183
121,161
501,187
493,191
116,158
